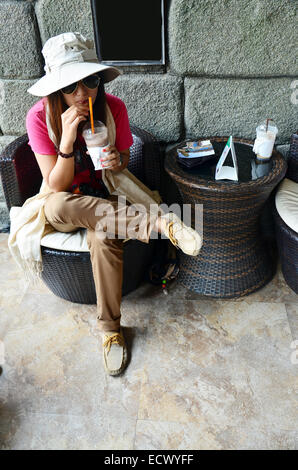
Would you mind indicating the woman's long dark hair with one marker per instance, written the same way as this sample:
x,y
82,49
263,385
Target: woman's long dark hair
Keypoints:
x,y
57,106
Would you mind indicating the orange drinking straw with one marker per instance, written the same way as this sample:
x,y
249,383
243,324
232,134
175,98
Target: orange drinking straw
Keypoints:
x,y
91,114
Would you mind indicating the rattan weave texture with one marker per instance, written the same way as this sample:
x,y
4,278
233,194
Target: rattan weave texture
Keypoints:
x,y
292,172
234,260
69,274
287,239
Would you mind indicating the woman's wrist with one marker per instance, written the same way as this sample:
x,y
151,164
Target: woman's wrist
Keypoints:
x,y
124,161
66,147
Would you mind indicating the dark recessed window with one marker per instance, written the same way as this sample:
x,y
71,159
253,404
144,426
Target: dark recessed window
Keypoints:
x,y
129,32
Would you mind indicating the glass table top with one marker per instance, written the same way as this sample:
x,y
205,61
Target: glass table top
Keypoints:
x,y
245,160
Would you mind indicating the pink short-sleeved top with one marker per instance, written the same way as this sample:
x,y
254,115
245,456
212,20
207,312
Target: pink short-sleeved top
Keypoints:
x,y
41,143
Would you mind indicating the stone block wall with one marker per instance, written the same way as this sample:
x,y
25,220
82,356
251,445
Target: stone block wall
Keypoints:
x,y
230,65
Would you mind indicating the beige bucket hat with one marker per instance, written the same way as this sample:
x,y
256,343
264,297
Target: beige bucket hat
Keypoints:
x,y
69,57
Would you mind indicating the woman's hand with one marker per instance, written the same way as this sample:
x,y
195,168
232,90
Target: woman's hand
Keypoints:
x,y
112,159
71,118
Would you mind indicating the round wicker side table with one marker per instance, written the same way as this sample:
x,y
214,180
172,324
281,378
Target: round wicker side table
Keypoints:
x,y
234,260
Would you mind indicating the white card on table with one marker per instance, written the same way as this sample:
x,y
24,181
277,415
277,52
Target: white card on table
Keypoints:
x,y
227,172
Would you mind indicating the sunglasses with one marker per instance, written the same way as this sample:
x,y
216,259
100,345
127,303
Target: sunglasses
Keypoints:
x,y
91,82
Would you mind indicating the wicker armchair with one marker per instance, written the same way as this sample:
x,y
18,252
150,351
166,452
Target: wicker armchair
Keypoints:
x,y
68,274
287,237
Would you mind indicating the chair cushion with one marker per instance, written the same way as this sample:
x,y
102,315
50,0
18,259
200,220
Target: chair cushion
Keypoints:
x,y
286,201
70,241
67,241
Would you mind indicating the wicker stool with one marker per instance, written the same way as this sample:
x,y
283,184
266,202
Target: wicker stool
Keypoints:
x,y
68,274
234,260
287,238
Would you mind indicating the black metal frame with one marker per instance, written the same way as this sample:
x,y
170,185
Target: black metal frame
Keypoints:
x,y
97,36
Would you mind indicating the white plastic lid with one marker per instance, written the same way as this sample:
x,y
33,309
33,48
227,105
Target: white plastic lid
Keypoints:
x,y
271,126
99,128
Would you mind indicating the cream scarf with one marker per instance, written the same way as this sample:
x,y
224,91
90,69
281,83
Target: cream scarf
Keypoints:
x,y
29,224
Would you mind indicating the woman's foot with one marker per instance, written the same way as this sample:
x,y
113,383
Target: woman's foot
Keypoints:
x,y
182,236
114,352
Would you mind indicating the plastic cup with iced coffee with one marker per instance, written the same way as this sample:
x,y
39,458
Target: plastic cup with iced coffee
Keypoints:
x,y
265,139
96,142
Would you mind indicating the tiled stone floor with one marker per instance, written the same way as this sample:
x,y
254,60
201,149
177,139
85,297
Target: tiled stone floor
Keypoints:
x,y
204,374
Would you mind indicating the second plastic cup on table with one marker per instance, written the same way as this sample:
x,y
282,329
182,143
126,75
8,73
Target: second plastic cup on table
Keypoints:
x,y
264,142
96,142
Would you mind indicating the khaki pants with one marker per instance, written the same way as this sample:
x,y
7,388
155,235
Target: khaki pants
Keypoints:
x,y
67,212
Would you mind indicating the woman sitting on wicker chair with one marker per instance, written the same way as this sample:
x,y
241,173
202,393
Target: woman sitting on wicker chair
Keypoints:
x,y
76,191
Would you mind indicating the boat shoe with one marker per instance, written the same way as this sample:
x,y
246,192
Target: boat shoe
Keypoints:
x,y
182,236
114,352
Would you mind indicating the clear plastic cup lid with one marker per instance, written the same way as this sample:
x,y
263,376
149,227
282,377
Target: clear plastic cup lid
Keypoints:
x,y
272,127
99,127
